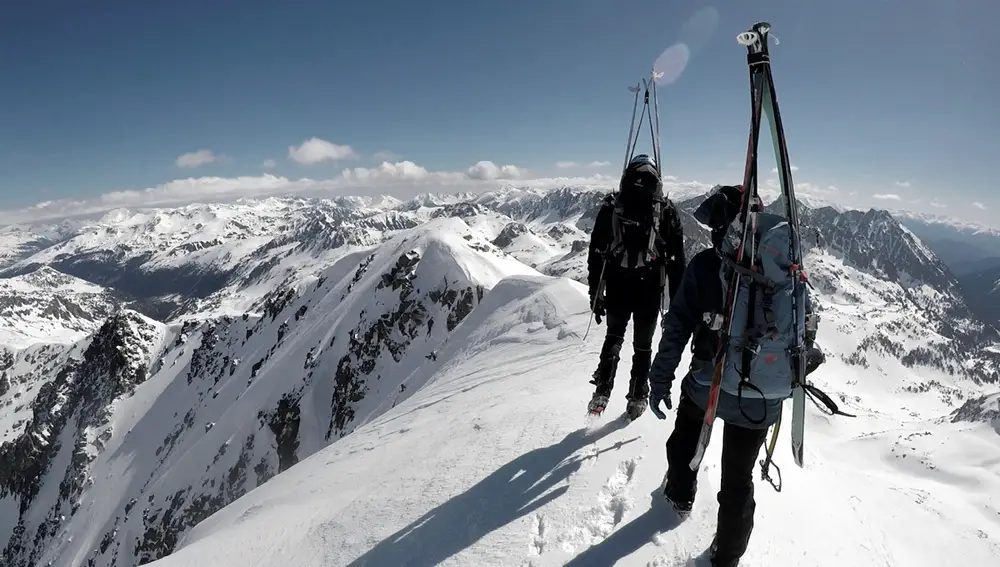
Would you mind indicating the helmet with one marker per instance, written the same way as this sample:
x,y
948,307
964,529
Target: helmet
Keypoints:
x,y
642,159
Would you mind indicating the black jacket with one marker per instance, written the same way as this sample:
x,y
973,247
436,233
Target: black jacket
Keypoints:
x,y
670,246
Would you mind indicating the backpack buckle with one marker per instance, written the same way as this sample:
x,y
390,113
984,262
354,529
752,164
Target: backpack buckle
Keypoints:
x,y
796,271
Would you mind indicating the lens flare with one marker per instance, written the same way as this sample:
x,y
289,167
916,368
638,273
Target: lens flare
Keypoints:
x,y
693,36
669,66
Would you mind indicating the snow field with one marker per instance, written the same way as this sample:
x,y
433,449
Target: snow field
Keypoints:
x,y
492,462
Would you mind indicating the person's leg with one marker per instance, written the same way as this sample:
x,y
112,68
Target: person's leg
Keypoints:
x,y
682,482
616,315
740,447
645,314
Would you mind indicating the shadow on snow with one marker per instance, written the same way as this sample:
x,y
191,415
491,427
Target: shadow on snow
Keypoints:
x,y
511,492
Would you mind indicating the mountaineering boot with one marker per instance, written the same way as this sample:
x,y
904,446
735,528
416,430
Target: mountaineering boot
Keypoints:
x,y
603,378
638,392
715,561
635,408
681,508
597,404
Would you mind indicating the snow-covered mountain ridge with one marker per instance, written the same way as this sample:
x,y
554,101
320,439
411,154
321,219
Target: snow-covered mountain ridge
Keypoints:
x,y
144,430
279,384
214,259
509,473
46,306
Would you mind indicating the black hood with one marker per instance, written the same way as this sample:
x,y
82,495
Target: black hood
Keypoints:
x,y
720,208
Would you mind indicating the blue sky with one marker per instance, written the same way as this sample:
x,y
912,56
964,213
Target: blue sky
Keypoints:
x,y
878,96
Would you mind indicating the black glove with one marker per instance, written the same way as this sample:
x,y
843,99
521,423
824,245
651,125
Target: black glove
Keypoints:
x,y
655,397
814,358
598,307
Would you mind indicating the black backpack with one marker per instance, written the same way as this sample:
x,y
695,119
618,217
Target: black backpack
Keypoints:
x,y
635,224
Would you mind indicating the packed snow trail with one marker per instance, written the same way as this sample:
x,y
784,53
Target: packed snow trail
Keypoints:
x,y
493,462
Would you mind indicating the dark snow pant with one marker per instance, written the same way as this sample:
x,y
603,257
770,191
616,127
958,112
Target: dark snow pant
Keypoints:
x,y
740,447
640,302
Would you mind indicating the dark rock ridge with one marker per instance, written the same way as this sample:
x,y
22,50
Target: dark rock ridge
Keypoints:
x,y
510,233
982,409
78,398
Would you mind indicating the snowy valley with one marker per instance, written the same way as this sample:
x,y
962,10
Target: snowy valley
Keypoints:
x,y
376,382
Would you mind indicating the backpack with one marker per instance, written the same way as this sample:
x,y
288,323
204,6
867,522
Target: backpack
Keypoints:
x,y
759,358
635,222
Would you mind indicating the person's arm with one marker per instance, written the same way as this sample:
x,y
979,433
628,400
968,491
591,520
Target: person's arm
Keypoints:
x,y
600,239
674,249
679,323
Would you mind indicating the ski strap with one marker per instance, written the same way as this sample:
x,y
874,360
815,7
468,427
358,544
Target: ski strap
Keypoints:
x,y
832,408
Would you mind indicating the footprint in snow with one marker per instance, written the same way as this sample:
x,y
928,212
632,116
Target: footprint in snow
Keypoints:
x,y
538,531
614,501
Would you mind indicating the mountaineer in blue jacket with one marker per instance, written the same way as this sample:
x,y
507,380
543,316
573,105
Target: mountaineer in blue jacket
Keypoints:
x,y
696,310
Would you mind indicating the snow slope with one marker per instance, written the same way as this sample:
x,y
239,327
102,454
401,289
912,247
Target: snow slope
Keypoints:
x,y
492,462
224,405
46,306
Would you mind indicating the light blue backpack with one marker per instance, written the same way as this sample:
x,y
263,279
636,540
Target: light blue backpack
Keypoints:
x,y
764,351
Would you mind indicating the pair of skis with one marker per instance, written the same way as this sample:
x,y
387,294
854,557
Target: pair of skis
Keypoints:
x,y
652,114
648,86
763,101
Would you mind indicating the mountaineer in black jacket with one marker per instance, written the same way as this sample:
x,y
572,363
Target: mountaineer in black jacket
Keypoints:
x,y
636,250
698,302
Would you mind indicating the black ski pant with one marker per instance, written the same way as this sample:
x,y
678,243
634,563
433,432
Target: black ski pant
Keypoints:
x,y
740,447
639,301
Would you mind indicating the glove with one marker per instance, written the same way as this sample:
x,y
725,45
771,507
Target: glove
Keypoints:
x,y
598,307
655,397
814,358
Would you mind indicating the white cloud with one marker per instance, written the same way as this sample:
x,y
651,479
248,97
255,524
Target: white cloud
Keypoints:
x,y
487,170
979,206
938,204
566,164
402,179
198,158
903,184
315,150
599,164
887,197
794,169
268,164
399,171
